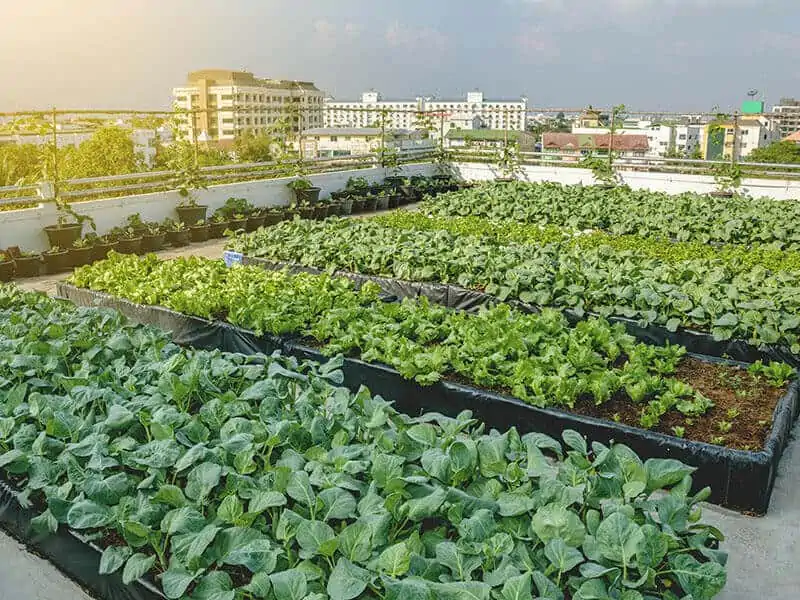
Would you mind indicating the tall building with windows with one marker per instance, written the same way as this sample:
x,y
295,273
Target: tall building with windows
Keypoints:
x,y
787,114
472,113
234,102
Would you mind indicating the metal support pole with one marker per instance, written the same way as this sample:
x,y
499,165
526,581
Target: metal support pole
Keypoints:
x,y
735,149
55,156
383,139
611,139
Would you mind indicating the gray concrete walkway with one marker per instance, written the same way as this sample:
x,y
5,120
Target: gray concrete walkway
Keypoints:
x,y
764,551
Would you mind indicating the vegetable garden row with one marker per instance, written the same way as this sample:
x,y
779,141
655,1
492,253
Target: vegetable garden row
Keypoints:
x,y
223,476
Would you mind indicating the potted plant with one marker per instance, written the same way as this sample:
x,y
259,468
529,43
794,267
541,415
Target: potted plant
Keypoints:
x,y
28,264
394,199
177,232
68,227
219,223
81,252
370,203
304,191
188,178
128,241
190,212
153,238
255,220
238,222
358,204
135,222
234,206
6,267
102,246
305,212
728,178
274,215
356,186
602,169
55,260
382,200
346,206
198,232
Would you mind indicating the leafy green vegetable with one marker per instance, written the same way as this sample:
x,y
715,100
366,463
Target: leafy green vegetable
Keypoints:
x,y
262,534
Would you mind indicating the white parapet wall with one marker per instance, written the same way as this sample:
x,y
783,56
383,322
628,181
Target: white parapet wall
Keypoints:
x,y
671,183
25,228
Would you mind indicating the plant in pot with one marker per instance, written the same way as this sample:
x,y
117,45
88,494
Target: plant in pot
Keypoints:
x,y
238,222
321,210
28,264
153,238
509,163
370,203
129,241
602,168
304,191
55,260
102,245
234,206
68,227
198,232
177,232
188,178
346,206
219,223
135,222
357,186
382,200
728,178
274,215
81,252
6,267
255,220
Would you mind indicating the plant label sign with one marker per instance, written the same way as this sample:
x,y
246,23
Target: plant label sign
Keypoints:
x,y
232,258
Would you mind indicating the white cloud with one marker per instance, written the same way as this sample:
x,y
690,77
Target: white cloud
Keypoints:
x,y
400,35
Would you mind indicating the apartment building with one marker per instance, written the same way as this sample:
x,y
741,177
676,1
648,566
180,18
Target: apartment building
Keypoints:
x,y
473,113
723,139
787,116
330,142
233,102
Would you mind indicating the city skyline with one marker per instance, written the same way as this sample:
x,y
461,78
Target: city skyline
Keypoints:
x,y
96,54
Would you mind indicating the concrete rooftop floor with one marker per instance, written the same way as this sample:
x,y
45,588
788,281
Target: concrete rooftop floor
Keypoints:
x,y
764,552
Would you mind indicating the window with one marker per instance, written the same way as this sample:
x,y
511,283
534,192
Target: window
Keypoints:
x,y
226,97
334,138
227,132
682,136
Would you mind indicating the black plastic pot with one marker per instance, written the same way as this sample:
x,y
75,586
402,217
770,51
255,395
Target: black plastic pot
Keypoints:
x,y
129,246
237,224
321,211
178,238
56,263
273,218
394,200
100,251
335,208
346,206
217,230
306,212
254,222
80,256
358,205
308,195
339,195
370,204
28,266
63,236
198,233
153,242
718,194
189,215
6,270
381,202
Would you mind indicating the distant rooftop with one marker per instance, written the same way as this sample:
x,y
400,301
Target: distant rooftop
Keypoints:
x,y
228,77
482,135
354,131
586,141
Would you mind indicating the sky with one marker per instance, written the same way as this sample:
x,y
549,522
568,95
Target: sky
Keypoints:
x,y
648,54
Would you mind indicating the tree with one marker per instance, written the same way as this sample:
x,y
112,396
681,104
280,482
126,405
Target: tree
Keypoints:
x,y
19,163
254,148
777,152
110,151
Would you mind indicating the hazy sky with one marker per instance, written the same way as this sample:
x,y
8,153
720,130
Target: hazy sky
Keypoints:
x,y
648,54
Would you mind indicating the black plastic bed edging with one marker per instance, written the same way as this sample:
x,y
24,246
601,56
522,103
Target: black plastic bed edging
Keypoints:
x,y
459,298
738,479
71,553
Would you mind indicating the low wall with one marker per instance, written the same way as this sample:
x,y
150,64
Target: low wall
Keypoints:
x,y
671,183
25,228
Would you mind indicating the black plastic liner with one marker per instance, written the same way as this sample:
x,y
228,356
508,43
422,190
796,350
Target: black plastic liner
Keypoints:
x,y
738,479
453,296
70,553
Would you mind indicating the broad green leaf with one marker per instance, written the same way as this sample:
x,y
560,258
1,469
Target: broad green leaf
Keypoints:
x,y
395,560
619,538
347,581
702,580
136,566
289,585
86,514
517,588
113,558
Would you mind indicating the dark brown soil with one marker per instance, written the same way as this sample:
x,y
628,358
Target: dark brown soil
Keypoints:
x,y
731,388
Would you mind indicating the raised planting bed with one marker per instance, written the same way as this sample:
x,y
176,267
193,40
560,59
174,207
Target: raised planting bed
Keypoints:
x,y
368,331
239,475
728,300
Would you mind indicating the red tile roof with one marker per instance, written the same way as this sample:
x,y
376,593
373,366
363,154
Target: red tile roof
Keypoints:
x,y
571,141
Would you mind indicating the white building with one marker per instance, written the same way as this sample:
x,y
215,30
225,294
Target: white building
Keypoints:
x,y
475,112
688,139
330,142
662,139
234,102
787,116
